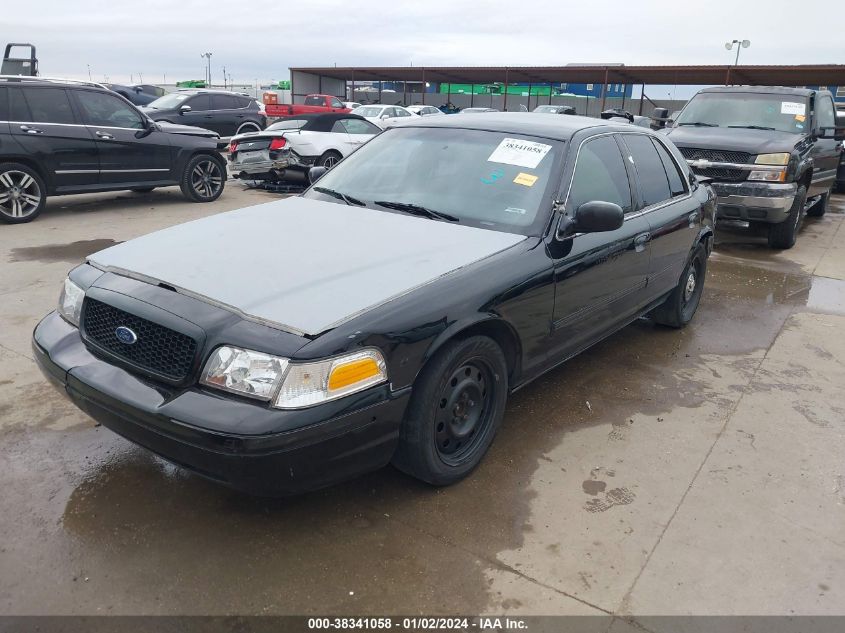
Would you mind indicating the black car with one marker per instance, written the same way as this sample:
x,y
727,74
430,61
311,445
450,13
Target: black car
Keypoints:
x,y
59,138
223,112
139,94
771,153
385,314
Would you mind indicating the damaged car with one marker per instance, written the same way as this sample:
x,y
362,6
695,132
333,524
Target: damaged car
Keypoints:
x,y
386,314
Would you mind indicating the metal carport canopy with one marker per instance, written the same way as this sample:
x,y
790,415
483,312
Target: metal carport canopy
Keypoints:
x,y
810,74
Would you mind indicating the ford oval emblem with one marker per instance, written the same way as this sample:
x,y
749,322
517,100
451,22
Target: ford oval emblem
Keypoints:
x,y
125,335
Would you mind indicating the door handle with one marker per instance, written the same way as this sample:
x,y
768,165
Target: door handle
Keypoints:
x,y
103,135
31,130
640,241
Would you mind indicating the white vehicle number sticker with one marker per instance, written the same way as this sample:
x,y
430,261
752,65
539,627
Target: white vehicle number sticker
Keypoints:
x,y
791,107
515,151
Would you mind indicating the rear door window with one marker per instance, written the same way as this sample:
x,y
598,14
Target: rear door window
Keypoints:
x,y
600,175
43,105
223,102
654,185
676,181
4,104
358,126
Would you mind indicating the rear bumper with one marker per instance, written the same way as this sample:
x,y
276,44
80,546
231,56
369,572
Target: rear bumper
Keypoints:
x,y
292,460
288,166
754,201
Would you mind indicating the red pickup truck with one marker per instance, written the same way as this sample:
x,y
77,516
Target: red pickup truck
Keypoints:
x,y
313,104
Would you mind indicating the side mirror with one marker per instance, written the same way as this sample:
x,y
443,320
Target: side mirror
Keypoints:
x,y
595,216
383,117
185,108
660,117
835,133
315,173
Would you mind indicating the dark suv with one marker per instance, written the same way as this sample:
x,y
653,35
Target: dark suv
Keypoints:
x,y
771,153
60,137
224,112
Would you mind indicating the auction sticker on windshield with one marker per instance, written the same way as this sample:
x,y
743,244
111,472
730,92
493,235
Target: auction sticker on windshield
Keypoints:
x,y
519,152
792,107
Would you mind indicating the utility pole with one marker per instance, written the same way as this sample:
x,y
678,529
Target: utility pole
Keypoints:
x,y
207,57
89,72
739,44
224,78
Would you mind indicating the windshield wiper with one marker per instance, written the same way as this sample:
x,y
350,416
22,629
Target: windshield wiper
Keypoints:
x,y
415,209
340,196
698,124
753,127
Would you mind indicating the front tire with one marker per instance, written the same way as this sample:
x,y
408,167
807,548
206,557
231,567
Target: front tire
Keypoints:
x,y
23,193
680,306
203,179
456,407
784,234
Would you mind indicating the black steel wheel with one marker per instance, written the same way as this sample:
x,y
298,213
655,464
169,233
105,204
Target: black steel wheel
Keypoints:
x,y
680,306
203,178
22,193
457,404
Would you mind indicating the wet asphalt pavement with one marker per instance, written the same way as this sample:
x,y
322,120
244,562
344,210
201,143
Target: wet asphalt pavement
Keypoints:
x,y
659,472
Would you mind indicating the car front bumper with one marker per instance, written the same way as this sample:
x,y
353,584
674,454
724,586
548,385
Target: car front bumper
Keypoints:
x,y
305,452
754,201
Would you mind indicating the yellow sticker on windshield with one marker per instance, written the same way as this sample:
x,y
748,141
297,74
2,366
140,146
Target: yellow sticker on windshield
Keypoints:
x,y
800,118
525,179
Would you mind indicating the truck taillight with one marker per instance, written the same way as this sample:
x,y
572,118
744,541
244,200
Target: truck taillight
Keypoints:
x,y
233,147
277,143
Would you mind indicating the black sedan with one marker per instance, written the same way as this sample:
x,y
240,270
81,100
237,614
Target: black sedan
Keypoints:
x,y
386,314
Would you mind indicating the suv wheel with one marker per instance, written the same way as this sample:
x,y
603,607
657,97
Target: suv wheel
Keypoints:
x,y
456,407
248,127
203,178
784,234
22,193
820,207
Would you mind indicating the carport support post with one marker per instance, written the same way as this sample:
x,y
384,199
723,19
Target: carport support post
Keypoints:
x,y
604,89
471,94
352,96
423,85
529,96
505,102
379,90
642,96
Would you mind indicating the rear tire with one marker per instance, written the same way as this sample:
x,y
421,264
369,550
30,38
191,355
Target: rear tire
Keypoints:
x,y
680,306
203,178
456,407
23,193
784,234
820,207
329,159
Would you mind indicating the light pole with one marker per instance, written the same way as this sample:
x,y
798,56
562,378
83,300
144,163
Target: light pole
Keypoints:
x,y
739,44
207,69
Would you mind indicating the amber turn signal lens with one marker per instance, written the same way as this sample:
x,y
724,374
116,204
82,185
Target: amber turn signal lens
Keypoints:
x,y
353,372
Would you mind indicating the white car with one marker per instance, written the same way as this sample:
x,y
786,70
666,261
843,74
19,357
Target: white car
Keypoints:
x,y
424,110
351,104
383,115
286,150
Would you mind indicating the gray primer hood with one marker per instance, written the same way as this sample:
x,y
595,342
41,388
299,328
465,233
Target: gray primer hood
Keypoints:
x,y
303,265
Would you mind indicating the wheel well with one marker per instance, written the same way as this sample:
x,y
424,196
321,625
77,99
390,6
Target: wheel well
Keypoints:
x,y
254,124
33,165
806,178
504,336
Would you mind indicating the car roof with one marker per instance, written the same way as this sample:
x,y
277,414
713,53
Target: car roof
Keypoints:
x,y
322,121
777,90
551,126
199,91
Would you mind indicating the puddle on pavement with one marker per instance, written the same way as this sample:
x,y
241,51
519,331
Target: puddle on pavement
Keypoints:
x,y
72,252
154,538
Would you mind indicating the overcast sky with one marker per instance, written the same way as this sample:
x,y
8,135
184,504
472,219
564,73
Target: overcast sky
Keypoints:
x,y
262,39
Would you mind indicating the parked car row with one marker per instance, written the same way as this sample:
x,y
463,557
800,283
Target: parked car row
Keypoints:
x,y
467,255
63,137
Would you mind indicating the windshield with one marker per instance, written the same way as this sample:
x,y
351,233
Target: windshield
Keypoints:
x,y
169,101
547,108
367,111
785,113
287,124
486,179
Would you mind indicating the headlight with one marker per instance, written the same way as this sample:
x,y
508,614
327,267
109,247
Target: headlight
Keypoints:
x,y
245,372
307,384
773,159
70,302
778,175
294,385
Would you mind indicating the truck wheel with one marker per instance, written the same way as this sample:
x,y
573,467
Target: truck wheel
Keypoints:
x,y
202,180
784,234
329,159
680,306
22,193
820,207
456,407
